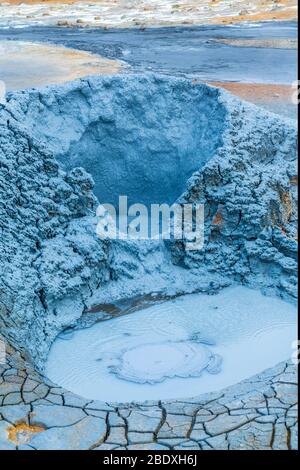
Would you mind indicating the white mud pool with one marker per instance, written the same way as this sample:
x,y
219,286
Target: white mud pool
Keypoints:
x,y
181,348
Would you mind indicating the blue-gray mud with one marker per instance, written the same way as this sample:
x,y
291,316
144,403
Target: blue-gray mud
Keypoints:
x,y
64,148
241,164
186,51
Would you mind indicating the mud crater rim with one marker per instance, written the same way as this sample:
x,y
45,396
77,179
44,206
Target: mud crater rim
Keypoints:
x,y
75,144
142,145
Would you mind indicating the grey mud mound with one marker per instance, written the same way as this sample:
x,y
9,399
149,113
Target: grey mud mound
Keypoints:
x,y
63,149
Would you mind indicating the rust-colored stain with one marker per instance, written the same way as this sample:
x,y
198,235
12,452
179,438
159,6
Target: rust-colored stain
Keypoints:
x,y
286,200
283,231
218,219
258,92
22,433
262,16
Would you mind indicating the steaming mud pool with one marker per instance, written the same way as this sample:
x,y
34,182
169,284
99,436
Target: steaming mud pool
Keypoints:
x,y
191,345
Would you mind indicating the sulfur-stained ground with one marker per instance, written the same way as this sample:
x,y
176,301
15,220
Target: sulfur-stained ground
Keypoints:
x,y
106,13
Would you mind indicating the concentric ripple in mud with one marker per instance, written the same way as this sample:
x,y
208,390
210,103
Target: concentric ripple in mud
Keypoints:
x,y
181,348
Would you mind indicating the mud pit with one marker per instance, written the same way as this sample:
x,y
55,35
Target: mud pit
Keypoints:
x,y
194,344
236,159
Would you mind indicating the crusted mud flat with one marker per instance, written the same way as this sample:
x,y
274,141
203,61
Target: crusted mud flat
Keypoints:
x,y
61,148
25,64
278,99
261,43
257,414
243,58
106,13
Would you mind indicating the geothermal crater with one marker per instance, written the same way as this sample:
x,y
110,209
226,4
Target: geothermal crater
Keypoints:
x,y
64,149
142,142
